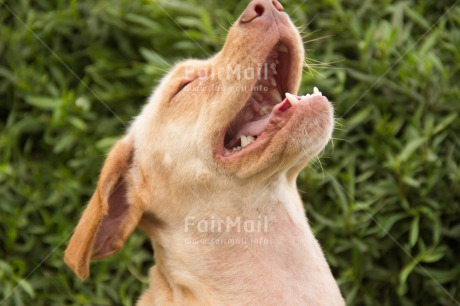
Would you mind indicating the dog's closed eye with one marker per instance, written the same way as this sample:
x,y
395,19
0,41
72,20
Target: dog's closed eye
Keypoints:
x,y
183,85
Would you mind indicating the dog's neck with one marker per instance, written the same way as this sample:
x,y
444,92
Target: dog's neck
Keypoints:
x,y
245,244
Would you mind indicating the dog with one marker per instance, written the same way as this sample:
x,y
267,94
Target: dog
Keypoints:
x,y
208,171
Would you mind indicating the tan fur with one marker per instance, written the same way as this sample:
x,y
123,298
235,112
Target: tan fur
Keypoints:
x,y
167,169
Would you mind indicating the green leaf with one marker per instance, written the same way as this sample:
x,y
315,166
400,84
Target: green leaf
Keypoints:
x,y
411,147
414,231
434,255
45,103
445,122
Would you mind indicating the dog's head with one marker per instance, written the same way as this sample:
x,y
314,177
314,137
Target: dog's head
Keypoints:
x,y
209,124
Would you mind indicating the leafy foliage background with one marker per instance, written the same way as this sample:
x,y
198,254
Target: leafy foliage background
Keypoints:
x,y
384,204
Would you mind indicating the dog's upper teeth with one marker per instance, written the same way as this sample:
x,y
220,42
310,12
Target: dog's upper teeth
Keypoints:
x,y
265,110
276,95
247,140
283,48
293,99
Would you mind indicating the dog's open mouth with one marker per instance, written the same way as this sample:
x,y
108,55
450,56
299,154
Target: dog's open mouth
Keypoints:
x,y
265,104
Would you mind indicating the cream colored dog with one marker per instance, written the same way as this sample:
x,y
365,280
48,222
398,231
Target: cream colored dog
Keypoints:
x,y
208,170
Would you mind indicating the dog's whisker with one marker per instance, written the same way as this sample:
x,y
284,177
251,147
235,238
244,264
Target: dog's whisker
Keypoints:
x,y
161,58
312,71
301,191
333,144
305,35
224,28
158,68
319,38
311,21
340,139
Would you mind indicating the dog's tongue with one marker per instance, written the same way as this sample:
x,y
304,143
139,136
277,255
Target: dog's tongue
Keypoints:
x,y
251,128
255,127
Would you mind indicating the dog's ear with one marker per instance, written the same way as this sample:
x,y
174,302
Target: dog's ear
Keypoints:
x,y
110,218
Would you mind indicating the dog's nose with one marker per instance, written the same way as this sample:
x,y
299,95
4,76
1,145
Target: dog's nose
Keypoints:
x,y
258,8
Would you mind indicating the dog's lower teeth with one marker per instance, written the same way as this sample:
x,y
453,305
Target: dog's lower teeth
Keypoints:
x,y
316,92
247,140
235,149
293,99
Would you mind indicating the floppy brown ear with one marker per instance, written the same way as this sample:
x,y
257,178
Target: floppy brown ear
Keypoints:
x,y
110,218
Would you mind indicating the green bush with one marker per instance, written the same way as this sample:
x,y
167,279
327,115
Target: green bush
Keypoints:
x,y
383,198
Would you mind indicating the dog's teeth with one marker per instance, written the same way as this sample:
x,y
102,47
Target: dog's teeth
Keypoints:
x,y
276,95
236,149
283,48
316,92
265,110
293,99
273,82
246,141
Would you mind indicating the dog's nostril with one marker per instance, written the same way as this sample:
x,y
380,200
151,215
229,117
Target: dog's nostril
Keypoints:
x,y
259,10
